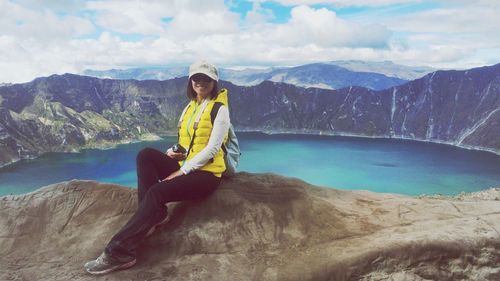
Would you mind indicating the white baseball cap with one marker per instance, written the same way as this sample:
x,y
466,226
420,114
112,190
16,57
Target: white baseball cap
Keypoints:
x,y
204,67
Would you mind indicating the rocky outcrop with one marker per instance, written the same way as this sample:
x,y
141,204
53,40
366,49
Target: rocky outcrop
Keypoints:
x,y
255,227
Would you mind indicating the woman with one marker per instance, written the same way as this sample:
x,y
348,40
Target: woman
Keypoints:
x,y
174,175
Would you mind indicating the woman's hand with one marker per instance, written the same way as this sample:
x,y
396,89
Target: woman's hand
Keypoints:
x,y
176,155
173,175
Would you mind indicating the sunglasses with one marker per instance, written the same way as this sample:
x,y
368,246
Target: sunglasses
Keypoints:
x,y
201,78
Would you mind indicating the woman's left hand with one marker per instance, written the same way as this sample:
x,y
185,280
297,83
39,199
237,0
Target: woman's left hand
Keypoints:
x,y
173,175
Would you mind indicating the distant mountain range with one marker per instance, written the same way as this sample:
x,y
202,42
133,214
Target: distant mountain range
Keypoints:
x,y
68,112
331,75
388,68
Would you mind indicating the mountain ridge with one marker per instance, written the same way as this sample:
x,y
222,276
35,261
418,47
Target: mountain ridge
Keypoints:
x,y
327,75
68,112
387,68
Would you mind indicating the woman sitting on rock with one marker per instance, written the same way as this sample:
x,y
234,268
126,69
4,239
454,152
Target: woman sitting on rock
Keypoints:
x,y
176,175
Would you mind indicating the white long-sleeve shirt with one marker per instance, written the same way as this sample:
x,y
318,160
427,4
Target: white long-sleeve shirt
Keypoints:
x,y
219,131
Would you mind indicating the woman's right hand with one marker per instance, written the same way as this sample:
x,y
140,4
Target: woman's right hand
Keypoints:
x,y
176,155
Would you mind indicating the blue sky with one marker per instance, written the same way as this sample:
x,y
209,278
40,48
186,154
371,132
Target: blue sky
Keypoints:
x,y
282,12
39,38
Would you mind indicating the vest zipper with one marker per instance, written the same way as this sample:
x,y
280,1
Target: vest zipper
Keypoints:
x,y
196,106
191,119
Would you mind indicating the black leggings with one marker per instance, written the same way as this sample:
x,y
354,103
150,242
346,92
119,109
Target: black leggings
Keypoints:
x,y
153,166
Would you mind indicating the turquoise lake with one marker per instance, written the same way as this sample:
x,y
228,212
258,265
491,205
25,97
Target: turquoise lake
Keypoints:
x,y
382,165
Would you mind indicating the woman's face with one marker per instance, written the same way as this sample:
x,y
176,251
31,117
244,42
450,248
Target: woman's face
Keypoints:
x,y
202,85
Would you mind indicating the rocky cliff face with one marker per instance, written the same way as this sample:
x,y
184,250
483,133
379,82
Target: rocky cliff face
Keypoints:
x,y
456,107
256,227
68,112
64,113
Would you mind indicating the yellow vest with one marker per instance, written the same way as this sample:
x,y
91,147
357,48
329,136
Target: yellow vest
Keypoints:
x,y
186,131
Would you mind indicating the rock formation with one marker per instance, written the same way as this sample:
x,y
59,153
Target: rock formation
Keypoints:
x,y
256,227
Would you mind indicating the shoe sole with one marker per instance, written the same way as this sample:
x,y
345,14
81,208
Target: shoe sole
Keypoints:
x,y
121,266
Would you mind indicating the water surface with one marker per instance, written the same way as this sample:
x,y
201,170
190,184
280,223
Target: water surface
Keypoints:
x,y
382,165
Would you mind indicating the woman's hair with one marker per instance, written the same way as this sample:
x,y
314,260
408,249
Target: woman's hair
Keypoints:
x,y
191,94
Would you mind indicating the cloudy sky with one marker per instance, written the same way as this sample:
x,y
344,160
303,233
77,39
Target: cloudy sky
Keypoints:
x,y
43,37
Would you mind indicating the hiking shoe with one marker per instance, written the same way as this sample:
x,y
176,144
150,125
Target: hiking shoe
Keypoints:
x,y
104,264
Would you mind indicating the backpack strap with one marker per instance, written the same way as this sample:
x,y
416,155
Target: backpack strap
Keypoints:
x,y
213,114
198,116
215,110
182,115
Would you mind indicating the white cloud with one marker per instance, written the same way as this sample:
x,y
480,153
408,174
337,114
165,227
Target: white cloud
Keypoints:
x,y
131,16
67,6
32,39
258,15
147,17
462,34
187,24
43,24
464,19
322,27
36,40
343,3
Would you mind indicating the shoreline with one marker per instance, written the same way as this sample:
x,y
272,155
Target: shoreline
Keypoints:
x,y
306,132
491,193
99,146
330,134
